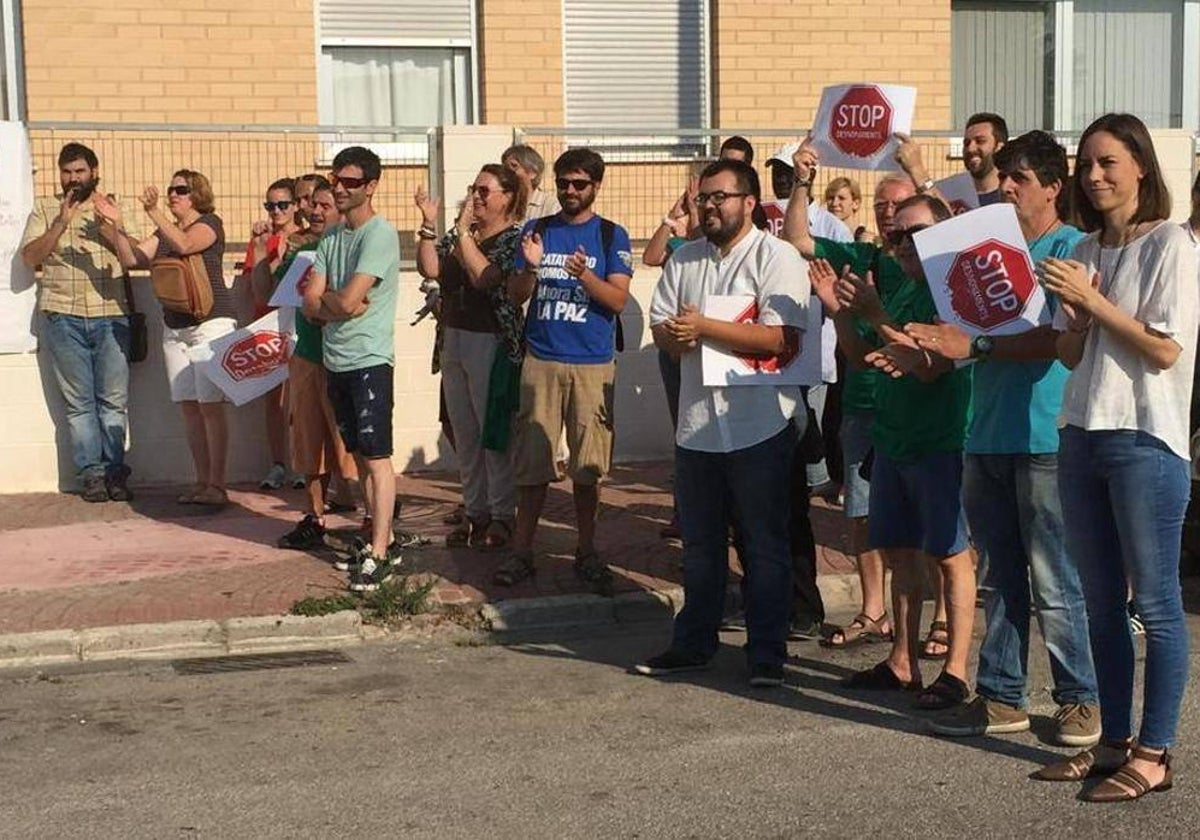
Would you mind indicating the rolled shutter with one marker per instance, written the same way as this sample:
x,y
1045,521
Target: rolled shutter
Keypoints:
x,y
402,22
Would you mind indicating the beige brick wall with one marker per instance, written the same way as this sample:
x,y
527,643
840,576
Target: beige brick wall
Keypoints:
x,y
176,61
521,72
772,57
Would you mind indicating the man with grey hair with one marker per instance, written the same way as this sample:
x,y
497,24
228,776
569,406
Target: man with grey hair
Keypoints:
x,y
529,166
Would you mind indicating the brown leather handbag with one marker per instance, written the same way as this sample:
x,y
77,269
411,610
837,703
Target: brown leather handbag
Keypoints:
x,y
181,285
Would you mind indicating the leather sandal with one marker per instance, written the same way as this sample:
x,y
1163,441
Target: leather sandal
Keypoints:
x,y
943,693
862,630
1084,765
1127,784
939,634
515,569
496,535
881,677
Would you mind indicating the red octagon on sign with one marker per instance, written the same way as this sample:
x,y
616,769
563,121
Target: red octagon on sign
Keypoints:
x,y
769,364
255,355
990,284
861,122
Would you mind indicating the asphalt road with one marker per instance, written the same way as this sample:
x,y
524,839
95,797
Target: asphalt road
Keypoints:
x,y
551,739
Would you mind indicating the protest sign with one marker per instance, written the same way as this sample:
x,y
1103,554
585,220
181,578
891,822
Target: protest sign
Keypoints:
x,y
721,368
856,124
290,290
959,192
18,296
980,274
249,362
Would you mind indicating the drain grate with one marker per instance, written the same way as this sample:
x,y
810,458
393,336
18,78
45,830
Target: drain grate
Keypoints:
x,y
258,662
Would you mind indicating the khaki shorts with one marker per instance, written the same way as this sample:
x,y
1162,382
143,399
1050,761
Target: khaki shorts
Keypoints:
x,y
317,447
555,395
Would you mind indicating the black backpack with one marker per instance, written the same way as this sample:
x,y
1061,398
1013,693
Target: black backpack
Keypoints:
x,y
607,232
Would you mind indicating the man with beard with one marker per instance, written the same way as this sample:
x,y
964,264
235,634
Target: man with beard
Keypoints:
x,y
85,299
734,446
574,269
984,135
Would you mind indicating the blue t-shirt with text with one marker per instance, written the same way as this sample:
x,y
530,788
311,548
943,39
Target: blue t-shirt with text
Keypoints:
x,y
564,324
1015,404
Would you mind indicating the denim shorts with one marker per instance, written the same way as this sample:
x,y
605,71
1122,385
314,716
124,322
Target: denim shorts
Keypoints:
x,y
918,504
856,443
362,405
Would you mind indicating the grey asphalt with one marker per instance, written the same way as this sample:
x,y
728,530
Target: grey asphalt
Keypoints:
x,y
549,738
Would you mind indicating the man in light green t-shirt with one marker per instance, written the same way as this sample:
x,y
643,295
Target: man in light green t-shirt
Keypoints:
x,y
352,293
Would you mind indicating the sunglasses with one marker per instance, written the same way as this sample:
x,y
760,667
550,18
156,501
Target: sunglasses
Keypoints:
x,y
482,192
349,183
272,206
717,198
178,189
580,184
896,238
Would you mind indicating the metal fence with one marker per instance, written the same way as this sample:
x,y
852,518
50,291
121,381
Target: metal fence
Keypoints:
x,y
240,161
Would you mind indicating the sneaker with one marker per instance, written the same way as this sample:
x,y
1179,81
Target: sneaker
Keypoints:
x,y
118,489
671,662
95,489
979,717
373,571
763,675
407,539
334,506
1078,724
735,621
804,631
308,534
297,481
274,478
359,549
1136,626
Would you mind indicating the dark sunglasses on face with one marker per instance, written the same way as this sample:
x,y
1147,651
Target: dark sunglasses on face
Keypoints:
x,y
349,183
896,238
580,184
271,206
178,189
483,192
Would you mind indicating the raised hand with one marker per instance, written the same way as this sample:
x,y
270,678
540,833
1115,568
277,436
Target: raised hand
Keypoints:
x,y
908,155
577,263
428,206
805,159
531,249
859,295
824,283
946,340
149,198
1068,280
106,209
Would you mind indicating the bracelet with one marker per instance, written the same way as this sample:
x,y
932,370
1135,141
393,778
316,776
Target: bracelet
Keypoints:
x,y
426,233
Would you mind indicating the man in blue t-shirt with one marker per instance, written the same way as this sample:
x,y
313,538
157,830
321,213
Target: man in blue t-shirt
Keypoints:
x,y
1010,483
574,269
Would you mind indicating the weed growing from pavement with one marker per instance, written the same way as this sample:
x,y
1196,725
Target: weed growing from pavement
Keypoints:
x,y
394,599
324,606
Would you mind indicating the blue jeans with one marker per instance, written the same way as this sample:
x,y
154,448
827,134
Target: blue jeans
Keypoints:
x,y
1124,494
751,486
90,359
1016,523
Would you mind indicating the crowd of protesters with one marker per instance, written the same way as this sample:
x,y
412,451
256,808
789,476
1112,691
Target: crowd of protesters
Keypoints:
x,y
1046,473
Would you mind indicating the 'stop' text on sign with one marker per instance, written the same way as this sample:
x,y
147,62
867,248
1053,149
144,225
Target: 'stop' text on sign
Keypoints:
x,y
990,284
861,123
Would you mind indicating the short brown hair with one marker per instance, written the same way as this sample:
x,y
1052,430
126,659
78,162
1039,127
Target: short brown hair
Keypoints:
x,y
201,189
511,184
1154,199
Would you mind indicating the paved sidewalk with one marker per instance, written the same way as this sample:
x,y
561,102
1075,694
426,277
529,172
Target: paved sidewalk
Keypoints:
x,y
66,564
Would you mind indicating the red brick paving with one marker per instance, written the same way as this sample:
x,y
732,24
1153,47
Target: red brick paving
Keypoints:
x,y
66,564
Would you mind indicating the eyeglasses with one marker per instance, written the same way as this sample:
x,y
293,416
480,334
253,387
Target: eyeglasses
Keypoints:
x,y
580,184
717,198
483,192
348,183
178,189
896,238
271,206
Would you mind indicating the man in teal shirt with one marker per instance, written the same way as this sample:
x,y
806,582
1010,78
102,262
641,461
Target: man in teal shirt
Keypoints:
x,y
352,292
1010,484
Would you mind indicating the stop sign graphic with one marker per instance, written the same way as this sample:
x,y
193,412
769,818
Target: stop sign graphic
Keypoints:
x,y
990,283
861,123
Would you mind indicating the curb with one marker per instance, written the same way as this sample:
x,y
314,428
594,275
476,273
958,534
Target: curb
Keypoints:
x,y
559,612
179,639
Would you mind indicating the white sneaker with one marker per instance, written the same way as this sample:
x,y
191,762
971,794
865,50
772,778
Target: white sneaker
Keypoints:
x,y
274,478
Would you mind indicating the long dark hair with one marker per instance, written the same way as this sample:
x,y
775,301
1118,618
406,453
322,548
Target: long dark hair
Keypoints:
x,y
1154,199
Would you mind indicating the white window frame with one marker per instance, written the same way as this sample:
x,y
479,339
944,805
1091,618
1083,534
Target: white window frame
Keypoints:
x,y
12,98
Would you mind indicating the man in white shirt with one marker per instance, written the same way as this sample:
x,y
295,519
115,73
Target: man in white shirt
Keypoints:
x,y
734,445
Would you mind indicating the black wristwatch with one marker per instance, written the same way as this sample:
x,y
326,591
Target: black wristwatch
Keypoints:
x,y
982,346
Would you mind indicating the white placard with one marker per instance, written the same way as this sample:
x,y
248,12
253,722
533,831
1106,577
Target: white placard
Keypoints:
x,y
856,124
722,368
249,362
290,289
18,295
980,273
959,192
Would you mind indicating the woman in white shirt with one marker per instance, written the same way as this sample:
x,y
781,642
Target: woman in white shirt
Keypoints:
x,y
1128,317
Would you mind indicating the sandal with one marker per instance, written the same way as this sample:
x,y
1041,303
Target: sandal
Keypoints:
x,y
496,535
213,497
594,571
455,517
943,693
469,532
939,634
515,569
1127,784
862,630
188,496
1083,765
881,677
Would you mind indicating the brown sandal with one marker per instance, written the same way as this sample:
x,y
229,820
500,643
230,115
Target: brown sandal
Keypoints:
x,y
1127,784
939,634
515,569
1081,766
497,535
861,631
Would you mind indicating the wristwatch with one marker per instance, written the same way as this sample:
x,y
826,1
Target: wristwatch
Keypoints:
x,y
982,346
926,185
